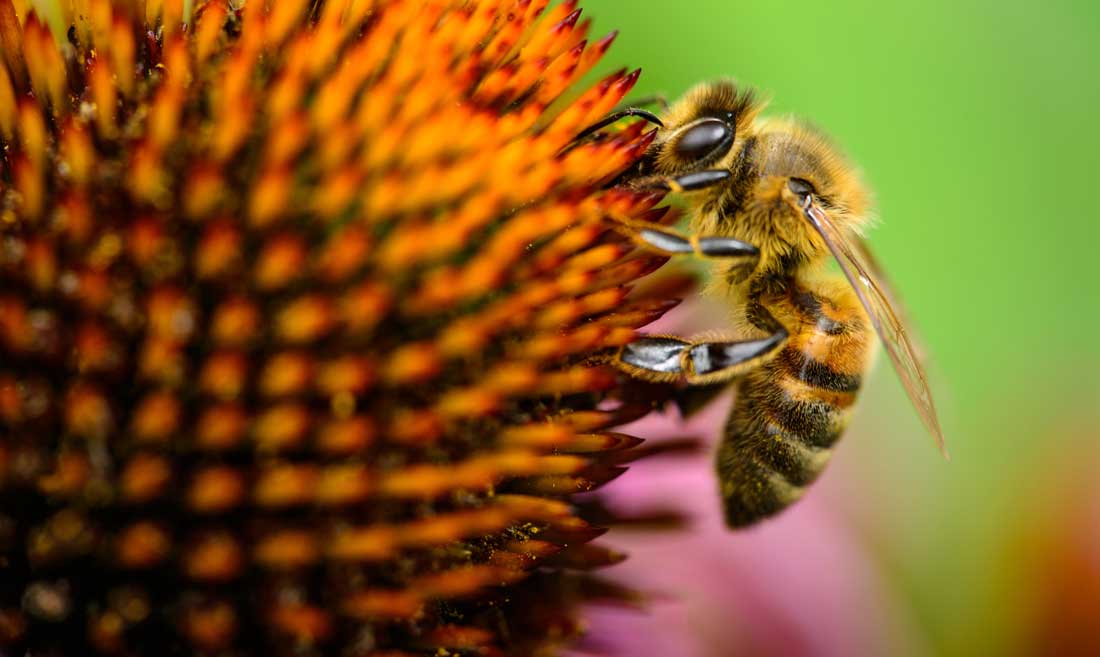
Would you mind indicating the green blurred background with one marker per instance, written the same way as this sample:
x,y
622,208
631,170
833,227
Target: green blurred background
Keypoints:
x,y
976,124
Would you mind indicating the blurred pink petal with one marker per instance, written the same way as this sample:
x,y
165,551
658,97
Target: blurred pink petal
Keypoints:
x,y
799,585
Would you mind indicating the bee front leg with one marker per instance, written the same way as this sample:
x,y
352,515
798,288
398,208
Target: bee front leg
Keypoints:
x,y
689,182
671,358
655,237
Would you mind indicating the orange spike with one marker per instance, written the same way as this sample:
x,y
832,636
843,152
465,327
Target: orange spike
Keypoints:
x,y
147,179
218,251
32,130
283,18
71,473
142,545
587,443
171,313
156,417
164,115
224,374
345,437
287,549
172,17
11,42
412,363
371,543
44,64
162,360
77,152
554,32
576,379
380,604
122,53
284,485
414,427
213,557
340,485
462,581
216,489
305,624
542,435
103,93
8,107
31,187
236,321
345,374
363,306
211,627
208,29
203,189
305,319
281,427
337,192
232,127
344,253
280,261
221,427
505,40
287,92
285,374
100,18
145,478
270,196
328,37
468,403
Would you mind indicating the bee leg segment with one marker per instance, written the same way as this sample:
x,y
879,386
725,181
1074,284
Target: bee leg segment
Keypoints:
x,y
660,355
669,242
692,399
713,362
691,182
669,358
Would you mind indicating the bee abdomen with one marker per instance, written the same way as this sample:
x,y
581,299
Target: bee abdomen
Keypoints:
x,y
787,416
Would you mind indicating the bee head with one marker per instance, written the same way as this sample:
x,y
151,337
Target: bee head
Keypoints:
x,y
704,130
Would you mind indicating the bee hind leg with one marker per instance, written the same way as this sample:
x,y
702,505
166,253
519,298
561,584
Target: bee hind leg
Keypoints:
x,y
690,400
671,358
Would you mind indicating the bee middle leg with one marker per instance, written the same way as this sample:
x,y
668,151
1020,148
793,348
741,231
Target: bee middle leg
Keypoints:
x,y
670,242
671,358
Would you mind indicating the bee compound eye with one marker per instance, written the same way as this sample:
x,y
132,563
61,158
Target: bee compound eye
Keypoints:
x,y
800,187
707,138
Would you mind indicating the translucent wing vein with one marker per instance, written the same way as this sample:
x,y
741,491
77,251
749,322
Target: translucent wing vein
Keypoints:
x,y
886,315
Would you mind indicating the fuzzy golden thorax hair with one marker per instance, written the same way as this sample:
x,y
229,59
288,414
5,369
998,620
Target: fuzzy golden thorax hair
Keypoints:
x,y
757,204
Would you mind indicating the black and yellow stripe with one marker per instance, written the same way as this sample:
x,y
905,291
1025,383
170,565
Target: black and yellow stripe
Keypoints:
x,y
790,411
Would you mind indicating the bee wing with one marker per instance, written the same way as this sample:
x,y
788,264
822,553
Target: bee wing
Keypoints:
x,y
886,315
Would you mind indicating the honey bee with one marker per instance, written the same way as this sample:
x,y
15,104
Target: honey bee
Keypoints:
x,y
770,201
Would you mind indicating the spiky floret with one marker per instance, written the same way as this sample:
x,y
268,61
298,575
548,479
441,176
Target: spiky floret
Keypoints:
x,y
300,316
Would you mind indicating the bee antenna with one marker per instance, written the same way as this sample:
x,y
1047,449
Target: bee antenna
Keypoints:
x,y
608,120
